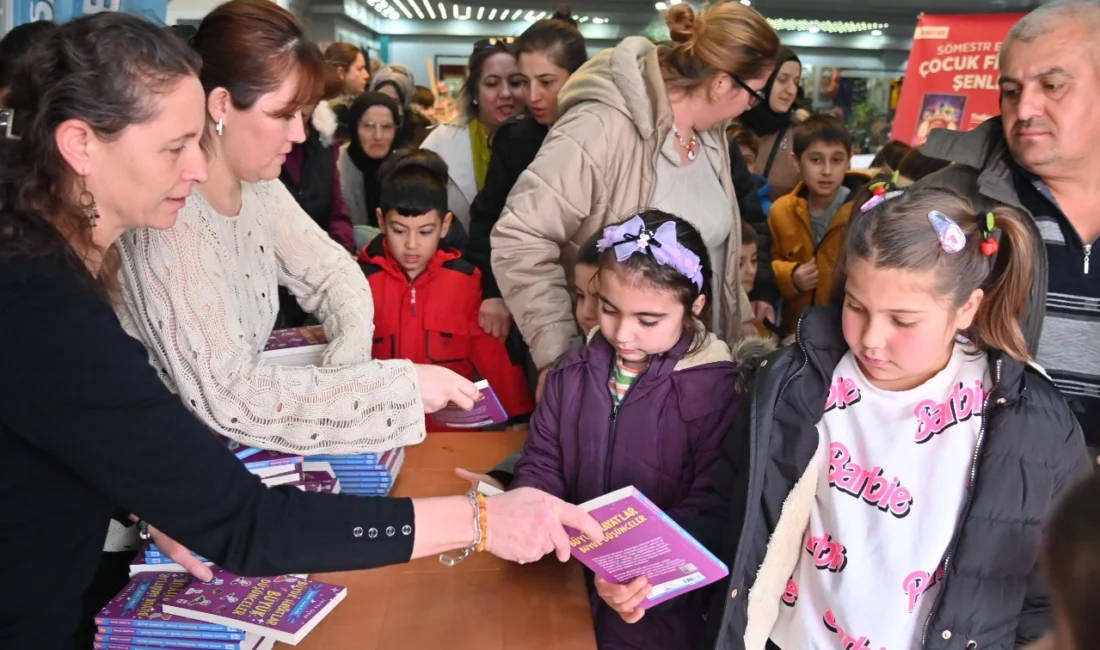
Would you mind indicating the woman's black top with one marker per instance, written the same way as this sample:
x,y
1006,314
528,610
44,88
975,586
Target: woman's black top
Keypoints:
x,y
515,146
88,431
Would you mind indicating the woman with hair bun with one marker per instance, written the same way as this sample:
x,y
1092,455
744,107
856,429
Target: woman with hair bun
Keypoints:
x,y
548,52
641,125
203,295
349,65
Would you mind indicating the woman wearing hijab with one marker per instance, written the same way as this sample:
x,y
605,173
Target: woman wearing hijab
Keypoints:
x,y
375,120
771,122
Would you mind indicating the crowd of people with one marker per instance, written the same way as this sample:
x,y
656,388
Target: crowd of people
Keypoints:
x,y
874,395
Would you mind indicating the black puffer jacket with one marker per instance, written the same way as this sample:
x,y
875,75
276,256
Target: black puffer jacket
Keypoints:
x,y
993,597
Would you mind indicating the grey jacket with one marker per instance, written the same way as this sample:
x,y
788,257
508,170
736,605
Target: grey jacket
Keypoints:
x,y
982,172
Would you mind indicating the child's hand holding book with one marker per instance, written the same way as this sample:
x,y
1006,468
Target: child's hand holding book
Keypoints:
x,y
625,599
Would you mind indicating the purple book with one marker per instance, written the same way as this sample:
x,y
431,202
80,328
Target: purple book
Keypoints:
x,y
284,608
141,604
486,412
640,539
266,459
109,641
318,482
296,337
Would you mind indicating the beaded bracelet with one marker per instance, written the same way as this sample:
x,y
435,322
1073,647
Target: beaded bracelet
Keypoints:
x,y
482,522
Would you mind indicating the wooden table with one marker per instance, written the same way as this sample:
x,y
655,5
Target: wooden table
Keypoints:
x,y
482,604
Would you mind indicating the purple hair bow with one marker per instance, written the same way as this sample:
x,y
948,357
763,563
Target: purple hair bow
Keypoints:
x,y
632,237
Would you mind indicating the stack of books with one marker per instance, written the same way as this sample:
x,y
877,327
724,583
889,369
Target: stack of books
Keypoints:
x,y
174,610
361,474
151,559
135,618
275,468
319,481
299,346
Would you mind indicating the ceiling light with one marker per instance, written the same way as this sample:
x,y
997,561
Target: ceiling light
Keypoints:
x,y
876,32
469,13
541,16
599,21
431,12
492,14
504,14
454,11
404,9
530,16
747,3
582,19
814,29
826,26
661,6
480,12
416,8
442,12
515,16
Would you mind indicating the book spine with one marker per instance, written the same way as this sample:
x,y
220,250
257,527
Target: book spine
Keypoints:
x,y
274,463
162,625
154,642
136,634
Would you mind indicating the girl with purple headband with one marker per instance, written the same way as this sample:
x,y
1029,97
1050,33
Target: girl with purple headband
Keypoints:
x,y
645,403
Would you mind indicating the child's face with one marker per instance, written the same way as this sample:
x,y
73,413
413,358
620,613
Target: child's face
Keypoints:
x,y
747,266
823,166
586,296
898,328
748,154
637,319
414,240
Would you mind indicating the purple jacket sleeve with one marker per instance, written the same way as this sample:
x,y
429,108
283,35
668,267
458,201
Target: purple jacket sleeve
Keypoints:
x,y
541,464
708,434
339,224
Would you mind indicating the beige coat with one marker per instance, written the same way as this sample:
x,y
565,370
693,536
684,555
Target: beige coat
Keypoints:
x,y
596,167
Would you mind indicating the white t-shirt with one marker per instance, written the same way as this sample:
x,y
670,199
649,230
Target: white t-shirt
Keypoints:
x,y
886,509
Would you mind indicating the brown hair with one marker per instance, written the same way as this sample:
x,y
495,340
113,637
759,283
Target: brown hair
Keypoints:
x,y
820,128
343,55
744,138
645,268
105,70
1071,563
890,155
728,37
898,235
249,47
915,165
558,37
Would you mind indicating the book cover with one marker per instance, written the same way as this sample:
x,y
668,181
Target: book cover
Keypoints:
x,y
640,539
284,608
134,635
487,411
131,642
141,604
266,459
296,337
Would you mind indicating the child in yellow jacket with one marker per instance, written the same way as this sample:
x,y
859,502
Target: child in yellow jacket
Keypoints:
x,y
809,224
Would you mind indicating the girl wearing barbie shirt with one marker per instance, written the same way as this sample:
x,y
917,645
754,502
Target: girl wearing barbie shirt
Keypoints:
x,y
888,487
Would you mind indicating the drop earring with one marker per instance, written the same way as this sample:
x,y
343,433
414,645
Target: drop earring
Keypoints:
x,y
220,127
88,204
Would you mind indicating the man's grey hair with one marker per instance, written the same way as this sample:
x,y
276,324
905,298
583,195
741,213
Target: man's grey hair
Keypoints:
x,y
1053,15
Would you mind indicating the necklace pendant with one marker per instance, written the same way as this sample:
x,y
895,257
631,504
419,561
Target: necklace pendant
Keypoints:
x,y
691,154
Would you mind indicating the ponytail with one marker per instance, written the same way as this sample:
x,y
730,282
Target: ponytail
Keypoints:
x,y
897,234
997,323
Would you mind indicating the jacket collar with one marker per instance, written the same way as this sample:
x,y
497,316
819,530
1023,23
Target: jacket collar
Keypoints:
x,y
325,122
377,252
853,180
627,78
452,143
983,149
821,339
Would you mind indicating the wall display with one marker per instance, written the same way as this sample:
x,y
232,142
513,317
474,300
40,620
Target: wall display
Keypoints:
x,y
26,11
951,81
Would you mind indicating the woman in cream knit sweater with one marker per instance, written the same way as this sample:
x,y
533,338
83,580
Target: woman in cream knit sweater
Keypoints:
x,y
202,295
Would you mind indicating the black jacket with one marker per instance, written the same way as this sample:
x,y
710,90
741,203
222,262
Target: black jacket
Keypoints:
x,y
765,288
515,145
1032,450
87,427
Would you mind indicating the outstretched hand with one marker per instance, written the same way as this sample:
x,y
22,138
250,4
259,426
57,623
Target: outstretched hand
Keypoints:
x,y
181,555
525,524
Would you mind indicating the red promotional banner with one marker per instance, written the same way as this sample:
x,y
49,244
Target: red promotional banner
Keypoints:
x,y
951,80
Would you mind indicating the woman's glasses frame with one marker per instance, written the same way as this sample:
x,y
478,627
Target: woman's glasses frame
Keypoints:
x,y
755,96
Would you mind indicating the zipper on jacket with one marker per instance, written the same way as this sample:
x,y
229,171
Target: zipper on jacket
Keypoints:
x,y
805,359
965,512
613,422
412,302
1088,251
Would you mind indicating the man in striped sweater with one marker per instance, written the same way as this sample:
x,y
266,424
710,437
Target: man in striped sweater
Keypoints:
x,y
1042,156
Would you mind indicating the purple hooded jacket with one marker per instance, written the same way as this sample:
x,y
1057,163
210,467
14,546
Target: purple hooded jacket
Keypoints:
x,y
664,440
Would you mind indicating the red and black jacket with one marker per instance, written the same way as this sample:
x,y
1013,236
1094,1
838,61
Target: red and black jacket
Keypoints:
x,y
434,320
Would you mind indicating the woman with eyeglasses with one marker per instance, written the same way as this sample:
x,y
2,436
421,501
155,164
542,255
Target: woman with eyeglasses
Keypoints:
x,y
548,52
375,119
493,92
771,121
203,294
642,125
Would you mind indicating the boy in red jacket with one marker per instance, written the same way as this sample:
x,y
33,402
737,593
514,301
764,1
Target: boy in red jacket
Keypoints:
x,y
426,298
